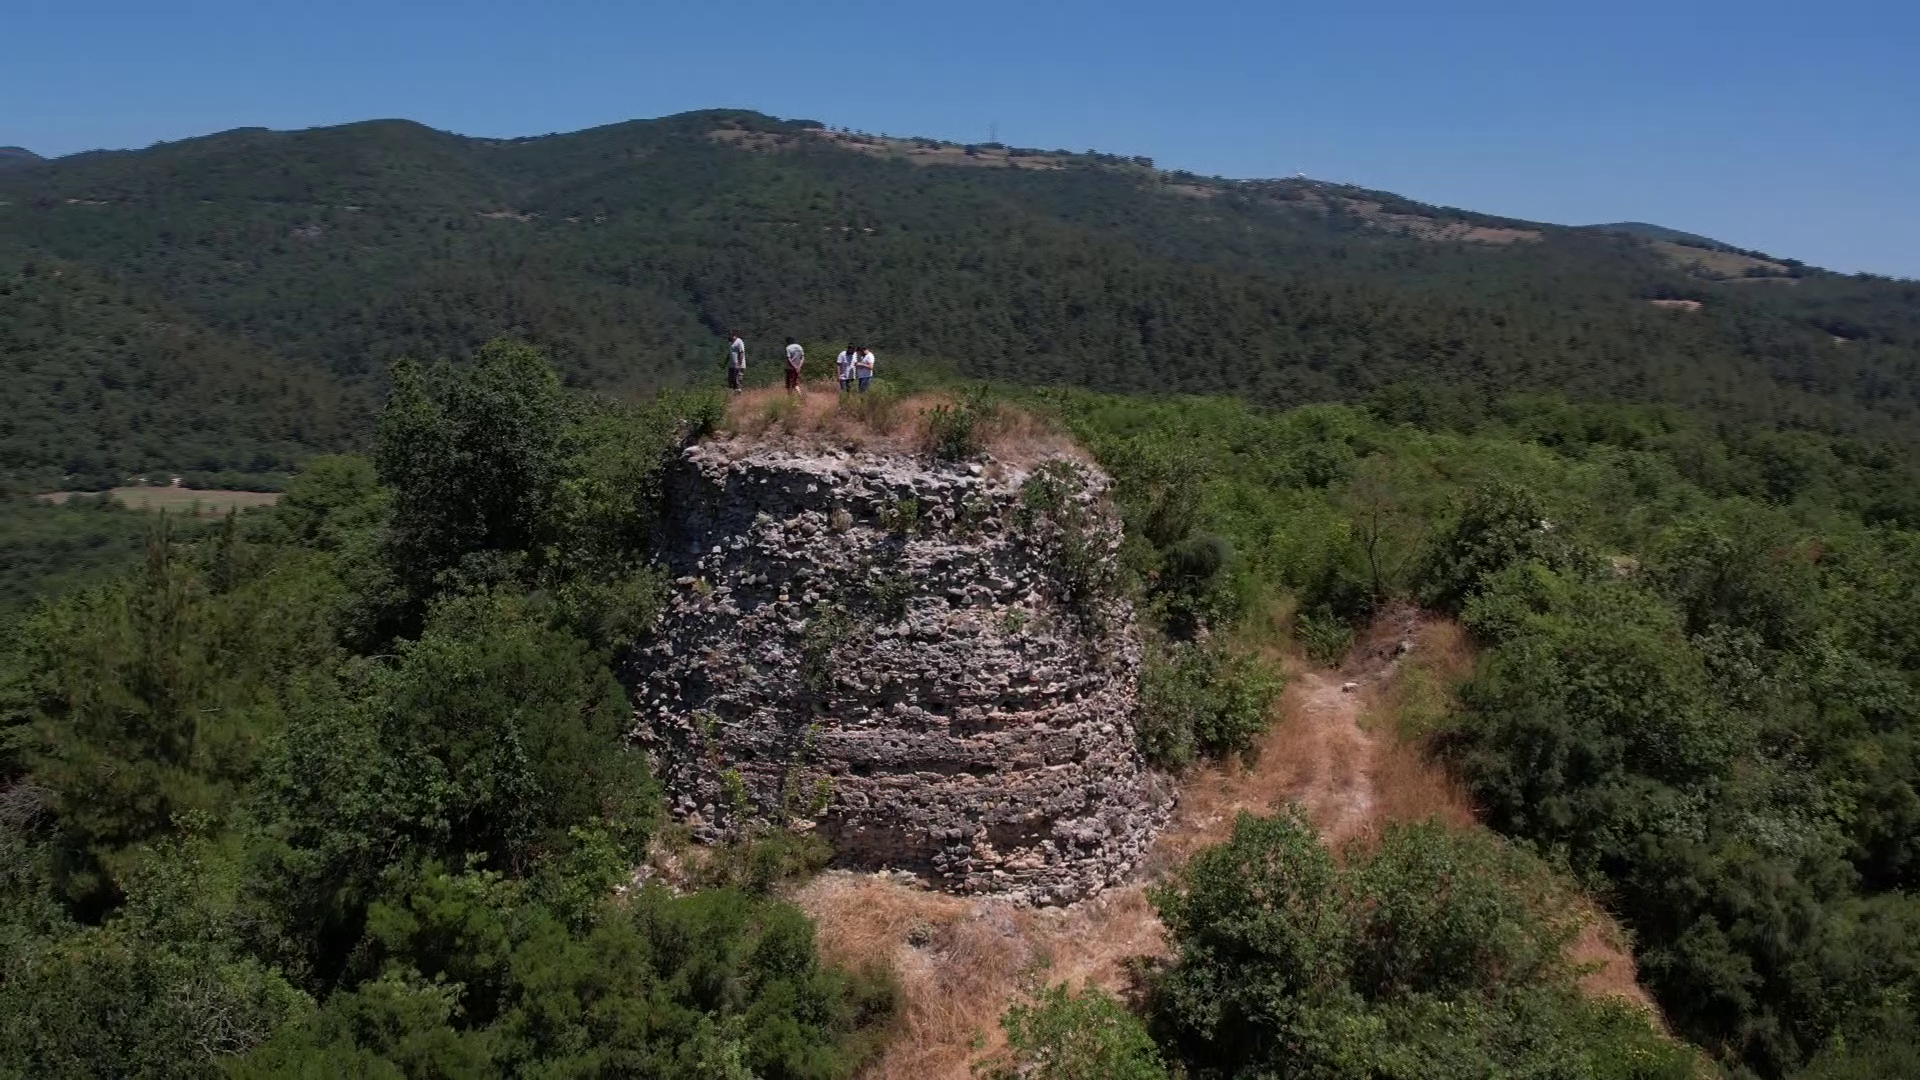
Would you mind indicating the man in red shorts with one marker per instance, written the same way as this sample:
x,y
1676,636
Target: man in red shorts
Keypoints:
x,y
796,358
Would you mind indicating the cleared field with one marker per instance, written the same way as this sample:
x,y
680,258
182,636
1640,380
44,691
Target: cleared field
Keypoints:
x,y
206,503
1727,264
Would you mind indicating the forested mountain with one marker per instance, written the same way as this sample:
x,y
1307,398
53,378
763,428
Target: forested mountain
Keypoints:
x,y
102,384
629,249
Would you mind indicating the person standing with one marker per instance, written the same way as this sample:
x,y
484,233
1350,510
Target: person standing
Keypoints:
x,y
845,363
736,363
863,369
796,358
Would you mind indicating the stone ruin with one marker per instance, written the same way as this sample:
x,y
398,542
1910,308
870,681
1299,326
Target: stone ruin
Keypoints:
x,y
927,662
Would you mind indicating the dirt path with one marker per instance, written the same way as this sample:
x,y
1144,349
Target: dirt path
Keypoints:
x,y
961,961
1336,790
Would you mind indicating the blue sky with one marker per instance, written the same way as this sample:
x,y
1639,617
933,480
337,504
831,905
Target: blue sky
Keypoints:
x,y
1793,128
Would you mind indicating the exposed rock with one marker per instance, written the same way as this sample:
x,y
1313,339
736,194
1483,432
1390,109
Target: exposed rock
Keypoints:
x,y
934,671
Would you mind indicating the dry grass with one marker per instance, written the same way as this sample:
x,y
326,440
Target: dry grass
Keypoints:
x,y
887,422
1729,264
1351,758
175,500
961,962
1410,787
1603,949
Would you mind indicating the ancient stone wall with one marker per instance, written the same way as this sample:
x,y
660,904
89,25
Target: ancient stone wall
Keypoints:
x,y
929,663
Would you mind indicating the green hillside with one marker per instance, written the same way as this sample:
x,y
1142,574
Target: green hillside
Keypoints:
x,y
629,249
102,385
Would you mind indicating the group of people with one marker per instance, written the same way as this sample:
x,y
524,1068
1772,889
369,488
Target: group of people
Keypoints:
x,y
854,366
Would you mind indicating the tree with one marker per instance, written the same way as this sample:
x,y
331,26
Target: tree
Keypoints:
x,y
1438,954
474,462
1387,522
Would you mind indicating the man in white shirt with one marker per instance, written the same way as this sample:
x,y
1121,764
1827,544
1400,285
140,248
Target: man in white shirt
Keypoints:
x,y
863,369
736,363
845,362
796,358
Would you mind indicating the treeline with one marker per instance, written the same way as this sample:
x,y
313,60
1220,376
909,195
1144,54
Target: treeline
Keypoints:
x,y
628,250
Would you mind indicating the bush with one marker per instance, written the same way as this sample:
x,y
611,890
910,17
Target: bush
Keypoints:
x,y
1500,525
951,435
959,432
1059,521
478,982
823,646
1440,954
1202,700
1066,1036
1324,636
162,989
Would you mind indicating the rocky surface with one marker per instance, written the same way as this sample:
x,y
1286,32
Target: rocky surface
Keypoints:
x,y
929,663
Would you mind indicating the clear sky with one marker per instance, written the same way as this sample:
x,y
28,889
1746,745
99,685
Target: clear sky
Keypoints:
x,y
1788,127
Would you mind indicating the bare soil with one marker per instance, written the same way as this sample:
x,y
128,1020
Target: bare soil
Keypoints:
x,y
204,503
1335,749
1727,264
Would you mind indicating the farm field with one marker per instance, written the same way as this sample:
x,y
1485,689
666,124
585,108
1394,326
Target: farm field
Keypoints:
x,y
206,503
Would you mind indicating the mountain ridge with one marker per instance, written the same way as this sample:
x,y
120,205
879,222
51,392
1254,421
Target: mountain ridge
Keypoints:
x,y
629,249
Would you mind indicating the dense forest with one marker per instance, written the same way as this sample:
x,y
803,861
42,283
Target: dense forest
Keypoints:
x,y
341,786
273,276
341,781
1695,692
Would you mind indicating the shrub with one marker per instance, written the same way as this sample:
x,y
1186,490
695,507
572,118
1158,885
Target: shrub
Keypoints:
x,y
826,634
764,858
1437,955
1066,1036
704,412
958,432
950,433
1056,516
1202,700
890,590
1323,635
902,516
1500,525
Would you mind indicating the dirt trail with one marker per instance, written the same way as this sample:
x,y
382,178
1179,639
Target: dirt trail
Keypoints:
x,y
1337,789
961,961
